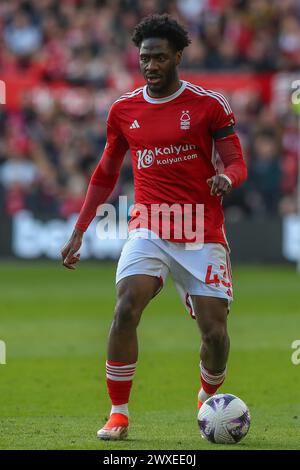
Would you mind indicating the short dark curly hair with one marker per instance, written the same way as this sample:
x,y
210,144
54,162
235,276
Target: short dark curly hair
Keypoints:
x,y
161,26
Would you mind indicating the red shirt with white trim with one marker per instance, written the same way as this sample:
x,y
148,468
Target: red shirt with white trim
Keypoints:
x,y
173,149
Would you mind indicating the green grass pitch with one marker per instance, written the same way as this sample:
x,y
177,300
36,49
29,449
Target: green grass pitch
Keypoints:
x,y
55,324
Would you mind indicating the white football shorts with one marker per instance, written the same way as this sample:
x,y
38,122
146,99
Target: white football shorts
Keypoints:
x,y
204,271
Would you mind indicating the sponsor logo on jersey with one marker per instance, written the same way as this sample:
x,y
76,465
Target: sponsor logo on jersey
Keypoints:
x,y
146,157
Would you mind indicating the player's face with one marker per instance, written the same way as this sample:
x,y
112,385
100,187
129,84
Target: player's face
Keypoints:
x,y
158,62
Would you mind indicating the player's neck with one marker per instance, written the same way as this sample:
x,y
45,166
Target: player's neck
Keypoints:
x,y
174,86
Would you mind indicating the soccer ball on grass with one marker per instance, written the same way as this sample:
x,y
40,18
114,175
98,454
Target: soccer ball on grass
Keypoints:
x,y
224,419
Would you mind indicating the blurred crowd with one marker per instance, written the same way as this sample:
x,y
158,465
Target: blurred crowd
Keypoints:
x,y
50,145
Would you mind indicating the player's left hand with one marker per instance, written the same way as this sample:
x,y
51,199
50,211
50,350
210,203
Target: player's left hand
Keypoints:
x,y
219,185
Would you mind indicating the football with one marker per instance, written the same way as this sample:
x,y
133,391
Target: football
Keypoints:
x,y
224,419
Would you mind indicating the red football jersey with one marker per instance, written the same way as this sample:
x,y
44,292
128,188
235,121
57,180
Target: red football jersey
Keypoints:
x,y
172,148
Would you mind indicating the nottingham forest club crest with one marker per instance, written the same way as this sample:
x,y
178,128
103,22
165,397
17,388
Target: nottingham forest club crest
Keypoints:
x,y
185,120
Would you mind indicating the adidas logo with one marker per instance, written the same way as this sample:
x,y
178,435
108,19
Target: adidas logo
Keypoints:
x,y
134,125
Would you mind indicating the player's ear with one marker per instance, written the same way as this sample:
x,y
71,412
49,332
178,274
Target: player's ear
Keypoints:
x,y
178,57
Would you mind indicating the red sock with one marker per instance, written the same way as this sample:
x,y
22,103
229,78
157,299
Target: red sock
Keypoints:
x,y
211,381
119,377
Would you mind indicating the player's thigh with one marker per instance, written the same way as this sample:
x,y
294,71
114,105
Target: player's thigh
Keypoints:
x,y
141,272
203,279
134,292
142,257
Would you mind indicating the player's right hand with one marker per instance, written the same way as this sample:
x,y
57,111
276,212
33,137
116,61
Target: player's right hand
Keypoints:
x,y
69,252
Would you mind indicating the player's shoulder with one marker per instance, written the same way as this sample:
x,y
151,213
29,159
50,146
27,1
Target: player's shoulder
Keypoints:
x,y
128,97
214,98
121,105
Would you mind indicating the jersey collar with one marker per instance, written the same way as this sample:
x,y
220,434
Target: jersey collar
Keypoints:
x,y
166,98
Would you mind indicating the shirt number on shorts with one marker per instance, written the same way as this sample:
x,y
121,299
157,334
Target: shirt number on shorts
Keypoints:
x,y
211,278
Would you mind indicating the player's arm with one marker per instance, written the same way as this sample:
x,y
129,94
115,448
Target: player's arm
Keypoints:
x,y
229,149
235,173
100,187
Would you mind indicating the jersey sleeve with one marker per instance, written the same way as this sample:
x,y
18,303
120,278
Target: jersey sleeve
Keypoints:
x,y
231,154
116,144
221,115
106,173
227,142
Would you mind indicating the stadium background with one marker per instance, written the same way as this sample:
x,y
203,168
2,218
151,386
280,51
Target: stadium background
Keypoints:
x,y
63,64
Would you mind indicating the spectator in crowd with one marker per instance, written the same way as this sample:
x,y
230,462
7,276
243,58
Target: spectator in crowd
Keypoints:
x,y
264,171
21,36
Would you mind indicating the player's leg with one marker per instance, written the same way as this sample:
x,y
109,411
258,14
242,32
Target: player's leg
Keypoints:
x,y
141,271
203,280
211,316
133,294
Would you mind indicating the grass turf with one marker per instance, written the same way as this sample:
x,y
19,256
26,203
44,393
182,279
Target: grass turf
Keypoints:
x,y
55,325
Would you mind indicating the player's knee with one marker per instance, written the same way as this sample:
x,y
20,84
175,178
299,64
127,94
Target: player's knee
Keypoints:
x,y
215,336
127,313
